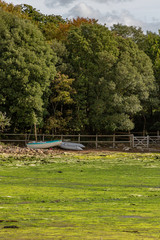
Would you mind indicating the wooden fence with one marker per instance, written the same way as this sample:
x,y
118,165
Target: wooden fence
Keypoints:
x,y
88,140
146,141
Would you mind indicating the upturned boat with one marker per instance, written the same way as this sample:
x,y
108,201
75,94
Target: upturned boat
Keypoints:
x,y
47,144
71,146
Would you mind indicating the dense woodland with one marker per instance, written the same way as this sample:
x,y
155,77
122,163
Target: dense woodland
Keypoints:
x,y
76,76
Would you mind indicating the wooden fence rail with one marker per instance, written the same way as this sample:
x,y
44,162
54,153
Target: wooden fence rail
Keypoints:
x,y
89,140
97,140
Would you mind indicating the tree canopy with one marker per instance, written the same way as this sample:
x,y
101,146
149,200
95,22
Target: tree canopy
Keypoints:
x,y
113,78
27,66
76,75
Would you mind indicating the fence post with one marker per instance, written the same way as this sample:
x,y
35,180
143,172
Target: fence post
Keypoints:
x,y
147,141
25,138
96,141
131,138
79,138
43,138
114,139
158,133
62,137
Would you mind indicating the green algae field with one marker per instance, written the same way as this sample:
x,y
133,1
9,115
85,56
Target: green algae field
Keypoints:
x,y
83,196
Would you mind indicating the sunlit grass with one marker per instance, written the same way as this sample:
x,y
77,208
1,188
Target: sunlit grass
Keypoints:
x,y
85,196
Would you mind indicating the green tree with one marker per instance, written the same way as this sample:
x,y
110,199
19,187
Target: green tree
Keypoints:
x,y
130,32
27,66
62,64
61,103
152,49
113,78
39,17
149,43
84,44
135,80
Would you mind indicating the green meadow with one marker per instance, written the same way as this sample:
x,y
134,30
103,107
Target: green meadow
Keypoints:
x,y
80,196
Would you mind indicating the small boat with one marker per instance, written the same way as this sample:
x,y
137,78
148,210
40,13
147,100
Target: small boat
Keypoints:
x,y
71,146
47,144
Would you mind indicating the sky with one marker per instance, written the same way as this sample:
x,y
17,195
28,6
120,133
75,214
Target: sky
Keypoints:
x,y
139,13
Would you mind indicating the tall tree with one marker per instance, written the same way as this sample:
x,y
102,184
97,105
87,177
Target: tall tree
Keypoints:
x,y
152,49
112,78
61,104
149,43
27,66
61,93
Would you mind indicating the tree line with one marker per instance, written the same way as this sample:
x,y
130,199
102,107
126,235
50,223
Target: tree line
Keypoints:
x,y
76,76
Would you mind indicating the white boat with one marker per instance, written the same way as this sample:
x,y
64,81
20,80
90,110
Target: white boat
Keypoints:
x,y
71,146
47,144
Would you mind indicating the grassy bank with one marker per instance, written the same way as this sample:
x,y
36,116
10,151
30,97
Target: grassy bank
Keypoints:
x,y
85,196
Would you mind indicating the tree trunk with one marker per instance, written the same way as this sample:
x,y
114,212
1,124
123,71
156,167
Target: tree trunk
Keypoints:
x,y
144,125
35,132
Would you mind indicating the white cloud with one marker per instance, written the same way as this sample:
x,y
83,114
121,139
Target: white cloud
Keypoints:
x,y
53,3
83,10
124,17
141,13
112,1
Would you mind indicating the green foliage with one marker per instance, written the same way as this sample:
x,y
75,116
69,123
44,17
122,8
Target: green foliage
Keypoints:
x,y
39,17
32,13
130,32
4,121
61,103
153,51
27,66
113,78
62,65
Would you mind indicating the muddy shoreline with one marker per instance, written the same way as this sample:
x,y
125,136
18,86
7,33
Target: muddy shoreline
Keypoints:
x,y
16,150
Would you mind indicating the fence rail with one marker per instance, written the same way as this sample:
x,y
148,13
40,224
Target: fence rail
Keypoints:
x,y
89,140
110,140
